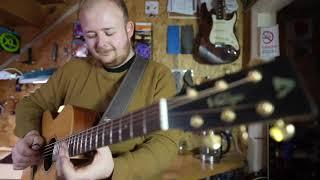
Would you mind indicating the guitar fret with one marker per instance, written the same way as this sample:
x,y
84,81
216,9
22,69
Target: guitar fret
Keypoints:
x,y
131,126
120,130
74,146
125,131
85,141
110,132
70,149
81,142
77,150
103,129
144,122
97,136
90,140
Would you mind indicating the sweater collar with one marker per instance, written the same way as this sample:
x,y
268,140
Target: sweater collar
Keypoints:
x,y
122,68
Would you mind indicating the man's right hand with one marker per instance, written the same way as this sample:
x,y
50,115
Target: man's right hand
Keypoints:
x,y
27,150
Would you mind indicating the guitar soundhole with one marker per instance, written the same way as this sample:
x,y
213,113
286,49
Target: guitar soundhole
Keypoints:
x,y
47,160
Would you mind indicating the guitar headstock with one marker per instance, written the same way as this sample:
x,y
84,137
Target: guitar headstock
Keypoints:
x,y
263,93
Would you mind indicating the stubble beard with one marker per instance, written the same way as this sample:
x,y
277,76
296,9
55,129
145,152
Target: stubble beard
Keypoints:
x,y
117,59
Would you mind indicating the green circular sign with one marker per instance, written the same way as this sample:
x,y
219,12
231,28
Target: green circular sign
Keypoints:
x,y
9,42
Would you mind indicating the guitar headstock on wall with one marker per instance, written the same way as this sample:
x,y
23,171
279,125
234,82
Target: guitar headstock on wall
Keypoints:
x,y
263,93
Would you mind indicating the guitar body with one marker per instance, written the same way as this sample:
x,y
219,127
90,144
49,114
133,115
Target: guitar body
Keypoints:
x,y
70,120
222,32
218,43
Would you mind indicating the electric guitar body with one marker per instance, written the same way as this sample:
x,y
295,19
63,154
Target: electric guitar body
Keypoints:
x,y
71,120
220,45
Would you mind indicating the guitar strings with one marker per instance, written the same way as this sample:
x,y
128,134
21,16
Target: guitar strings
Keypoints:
x,y
129,115
99,130
126,119
80,151
104,125
206,92
209,110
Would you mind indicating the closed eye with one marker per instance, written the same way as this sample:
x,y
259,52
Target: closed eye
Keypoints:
x,y
90,35
108,33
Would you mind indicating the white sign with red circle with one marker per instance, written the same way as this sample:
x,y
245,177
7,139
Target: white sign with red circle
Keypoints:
x,y
269,42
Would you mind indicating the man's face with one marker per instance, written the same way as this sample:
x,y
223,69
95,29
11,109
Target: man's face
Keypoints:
x,y
106,33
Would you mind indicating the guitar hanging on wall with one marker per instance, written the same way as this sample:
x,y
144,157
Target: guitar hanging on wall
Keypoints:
x,y
218,42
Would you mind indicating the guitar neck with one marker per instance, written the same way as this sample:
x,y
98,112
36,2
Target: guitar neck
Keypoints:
x,y
220,9
265,93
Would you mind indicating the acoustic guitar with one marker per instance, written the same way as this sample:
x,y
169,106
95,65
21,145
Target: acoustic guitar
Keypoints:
x,y
256,95
218,42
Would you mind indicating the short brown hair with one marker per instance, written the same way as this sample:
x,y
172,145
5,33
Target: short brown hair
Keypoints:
x,y
120,3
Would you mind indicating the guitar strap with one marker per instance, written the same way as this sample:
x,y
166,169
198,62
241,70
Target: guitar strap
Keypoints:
x,y
123,96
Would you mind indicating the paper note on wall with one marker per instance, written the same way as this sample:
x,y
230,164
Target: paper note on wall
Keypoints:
x,y
187,7
269,42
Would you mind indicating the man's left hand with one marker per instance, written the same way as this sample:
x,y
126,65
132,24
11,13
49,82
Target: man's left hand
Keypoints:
x,y
100,168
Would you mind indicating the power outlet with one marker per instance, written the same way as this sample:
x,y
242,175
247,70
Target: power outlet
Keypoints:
x,y
152,8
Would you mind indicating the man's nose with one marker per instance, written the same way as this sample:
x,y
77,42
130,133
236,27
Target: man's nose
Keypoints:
x,y
102,40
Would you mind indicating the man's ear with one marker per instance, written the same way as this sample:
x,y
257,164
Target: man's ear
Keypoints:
x,y
130,29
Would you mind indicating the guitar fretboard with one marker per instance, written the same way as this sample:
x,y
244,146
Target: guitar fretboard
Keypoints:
x,y
111,132
220,9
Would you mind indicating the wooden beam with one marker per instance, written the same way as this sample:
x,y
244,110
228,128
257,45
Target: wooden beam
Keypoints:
x,y
30,12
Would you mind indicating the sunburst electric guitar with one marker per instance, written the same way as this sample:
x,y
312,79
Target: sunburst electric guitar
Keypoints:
x,y
218,42
260,94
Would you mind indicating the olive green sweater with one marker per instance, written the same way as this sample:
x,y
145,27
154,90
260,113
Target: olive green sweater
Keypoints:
x,y
84,85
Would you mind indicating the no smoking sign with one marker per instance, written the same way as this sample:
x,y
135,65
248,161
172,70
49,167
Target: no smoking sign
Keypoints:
x,y
269,42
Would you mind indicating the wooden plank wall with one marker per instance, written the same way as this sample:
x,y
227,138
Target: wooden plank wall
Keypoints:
x,y
160,23
62,35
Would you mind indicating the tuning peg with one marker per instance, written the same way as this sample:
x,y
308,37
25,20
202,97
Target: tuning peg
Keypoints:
x,y
245,136
243,128
196,121
244,132
254,76
192,93
221,85
290,129
281,131
265,108
228,115
212,140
